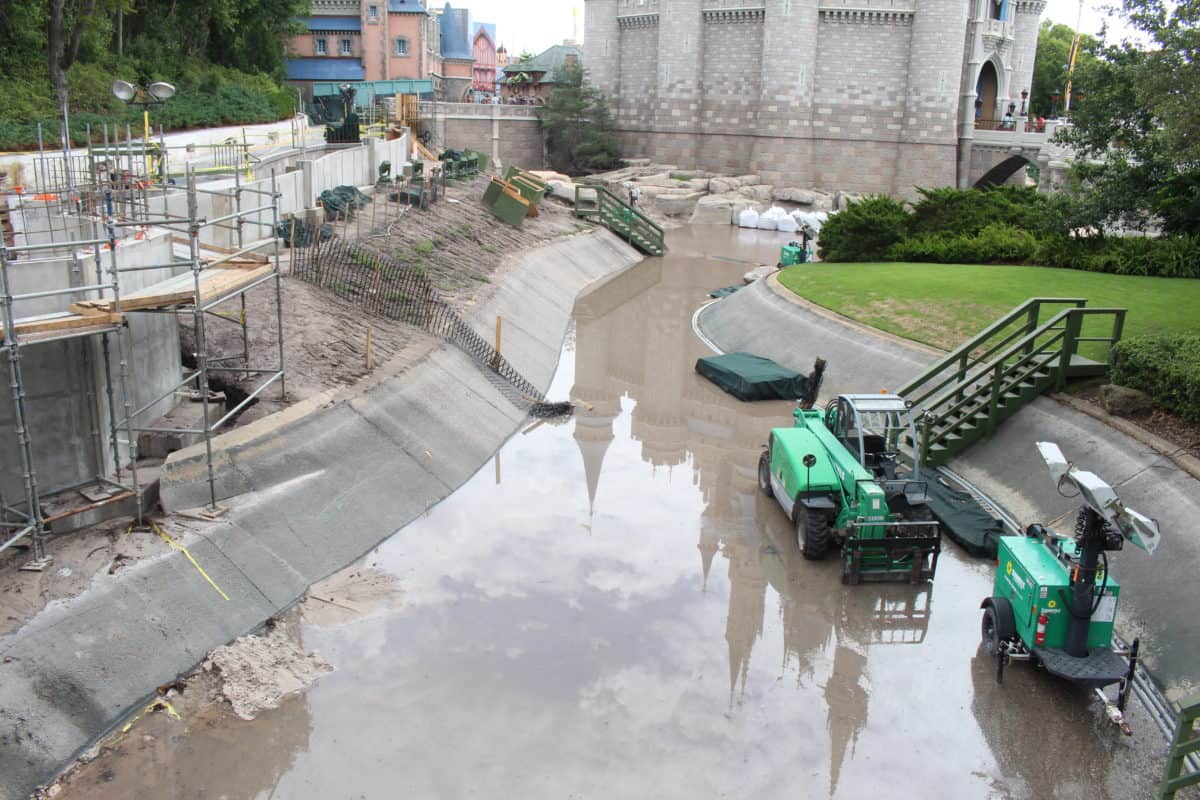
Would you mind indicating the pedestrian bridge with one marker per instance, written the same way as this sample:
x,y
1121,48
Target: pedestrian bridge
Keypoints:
x,y
995,155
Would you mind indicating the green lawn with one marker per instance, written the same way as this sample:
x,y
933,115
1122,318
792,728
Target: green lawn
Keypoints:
x,y
944,304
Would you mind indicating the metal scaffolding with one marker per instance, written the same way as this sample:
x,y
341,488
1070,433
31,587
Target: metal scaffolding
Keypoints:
x,y
109,203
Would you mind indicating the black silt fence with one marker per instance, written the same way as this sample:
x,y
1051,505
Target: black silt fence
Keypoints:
x,y
381,285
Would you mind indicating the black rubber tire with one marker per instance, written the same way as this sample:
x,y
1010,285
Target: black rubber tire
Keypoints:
x,y
812,533
764,472
998,624
989,633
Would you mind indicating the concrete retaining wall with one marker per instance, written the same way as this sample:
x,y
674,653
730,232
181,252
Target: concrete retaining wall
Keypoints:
x,y
508,134
322,489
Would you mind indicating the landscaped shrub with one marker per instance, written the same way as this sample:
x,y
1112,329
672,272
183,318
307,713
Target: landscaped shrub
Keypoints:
x,y
864,230
994,244
1164,257
1167,367
966,212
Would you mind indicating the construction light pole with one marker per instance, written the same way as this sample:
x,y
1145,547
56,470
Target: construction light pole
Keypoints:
x,y
154,94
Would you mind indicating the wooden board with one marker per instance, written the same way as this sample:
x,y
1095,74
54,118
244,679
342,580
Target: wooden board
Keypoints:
x,y
59,322
181,290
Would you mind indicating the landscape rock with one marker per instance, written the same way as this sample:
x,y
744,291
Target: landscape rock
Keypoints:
x,y
811,198
748,180
758,273
677,204
722,185
842,200
713,210
760,193
1121,401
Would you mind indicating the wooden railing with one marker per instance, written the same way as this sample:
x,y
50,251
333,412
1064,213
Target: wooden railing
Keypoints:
x,y
622,218
962,398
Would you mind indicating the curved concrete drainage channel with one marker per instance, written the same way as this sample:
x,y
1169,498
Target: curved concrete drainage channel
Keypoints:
x,y
312,489
1159,593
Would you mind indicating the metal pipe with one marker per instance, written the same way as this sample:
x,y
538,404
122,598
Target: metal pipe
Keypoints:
x,y
17,538
123,378
57,292
233,412
166,394
278,282
237,214
29,473
198,321
32,248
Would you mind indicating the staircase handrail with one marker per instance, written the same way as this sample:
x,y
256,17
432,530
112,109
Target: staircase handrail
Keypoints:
x,y
1065,326
606,200
1071,319
1031,309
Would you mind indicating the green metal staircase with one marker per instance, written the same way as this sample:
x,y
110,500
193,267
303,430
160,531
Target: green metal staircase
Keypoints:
x,y
623,219
1031,350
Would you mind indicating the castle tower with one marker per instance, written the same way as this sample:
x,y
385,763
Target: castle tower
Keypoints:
x,y
931,103
601,44
788,69
677,106
1026,17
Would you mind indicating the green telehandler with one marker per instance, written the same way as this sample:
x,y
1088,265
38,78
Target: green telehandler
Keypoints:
x,y
839,477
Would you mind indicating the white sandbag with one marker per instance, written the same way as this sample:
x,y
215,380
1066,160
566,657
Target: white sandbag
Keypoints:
x,y
787,224
776,213
748,218
766,223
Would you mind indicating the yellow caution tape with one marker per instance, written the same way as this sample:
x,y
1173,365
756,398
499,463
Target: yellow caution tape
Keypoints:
x,y
176,545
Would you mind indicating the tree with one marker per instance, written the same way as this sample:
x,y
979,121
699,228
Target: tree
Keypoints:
x,y
1050,67
578,125
66,20
1137,131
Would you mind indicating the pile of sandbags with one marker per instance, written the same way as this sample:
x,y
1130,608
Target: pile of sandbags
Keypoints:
x,y
813,220
748,218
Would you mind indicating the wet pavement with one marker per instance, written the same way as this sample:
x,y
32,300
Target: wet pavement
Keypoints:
x,y
611,609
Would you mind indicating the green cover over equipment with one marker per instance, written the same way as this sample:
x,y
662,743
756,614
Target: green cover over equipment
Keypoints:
x,y
964,520
751,377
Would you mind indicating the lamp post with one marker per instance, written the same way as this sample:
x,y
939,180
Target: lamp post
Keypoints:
x,y
1024,97
1054,98
144,95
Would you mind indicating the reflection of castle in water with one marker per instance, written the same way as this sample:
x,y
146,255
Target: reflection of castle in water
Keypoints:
x,y
633,337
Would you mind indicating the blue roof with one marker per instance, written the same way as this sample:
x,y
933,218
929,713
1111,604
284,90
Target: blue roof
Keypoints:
x,y
333,23
406,6
325,69
456,27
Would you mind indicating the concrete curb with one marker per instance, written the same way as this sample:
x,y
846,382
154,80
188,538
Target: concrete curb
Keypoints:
x,y
327,482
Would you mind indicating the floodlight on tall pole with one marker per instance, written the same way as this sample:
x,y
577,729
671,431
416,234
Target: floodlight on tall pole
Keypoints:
x,y
145,96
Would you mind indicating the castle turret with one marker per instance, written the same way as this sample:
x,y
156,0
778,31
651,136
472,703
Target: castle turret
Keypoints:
x,y
931,103
788,69
680,44
1026,17
601,43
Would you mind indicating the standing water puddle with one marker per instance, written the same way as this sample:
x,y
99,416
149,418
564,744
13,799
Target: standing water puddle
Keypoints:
x,y
610,609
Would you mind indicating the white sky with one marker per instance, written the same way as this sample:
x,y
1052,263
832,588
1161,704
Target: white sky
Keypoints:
x,y
535,25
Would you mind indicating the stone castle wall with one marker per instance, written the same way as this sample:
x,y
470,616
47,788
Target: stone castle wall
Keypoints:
x,y
862,96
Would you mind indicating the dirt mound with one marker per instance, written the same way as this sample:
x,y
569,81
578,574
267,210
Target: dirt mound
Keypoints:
x,y
257,672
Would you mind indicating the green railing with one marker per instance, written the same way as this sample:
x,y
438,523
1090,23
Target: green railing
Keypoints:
x,y
963,397
622,218
1185,743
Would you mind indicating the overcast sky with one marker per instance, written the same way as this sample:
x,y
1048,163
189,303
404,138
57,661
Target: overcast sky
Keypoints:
x,y
534,25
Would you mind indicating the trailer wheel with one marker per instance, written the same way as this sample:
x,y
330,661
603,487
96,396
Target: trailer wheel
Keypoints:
x,y
998,624
812,533
764,472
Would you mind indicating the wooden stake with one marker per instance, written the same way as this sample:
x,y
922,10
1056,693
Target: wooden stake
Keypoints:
x,y
378,286
292,246
497,467
370,341
499,328
374,203
358,225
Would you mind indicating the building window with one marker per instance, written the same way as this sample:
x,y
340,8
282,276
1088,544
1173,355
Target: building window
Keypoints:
x,y
400,46
373,13
347,47
320,47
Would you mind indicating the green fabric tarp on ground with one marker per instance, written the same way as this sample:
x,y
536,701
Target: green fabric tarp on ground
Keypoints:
x,y
341,202
964,520
725,291
751,377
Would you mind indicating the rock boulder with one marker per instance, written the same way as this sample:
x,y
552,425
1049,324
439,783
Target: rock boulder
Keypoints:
x,y
713,210
1122,401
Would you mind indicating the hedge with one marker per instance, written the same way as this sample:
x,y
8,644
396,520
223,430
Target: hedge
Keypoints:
x,y
1163,257
1164,366
864,230
997,243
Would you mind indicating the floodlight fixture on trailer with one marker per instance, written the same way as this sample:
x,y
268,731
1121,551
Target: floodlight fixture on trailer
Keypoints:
x,y
150,95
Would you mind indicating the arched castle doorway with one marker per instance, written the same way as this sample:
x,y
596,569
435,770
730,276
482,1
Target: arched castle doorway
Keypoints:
x,y
985,95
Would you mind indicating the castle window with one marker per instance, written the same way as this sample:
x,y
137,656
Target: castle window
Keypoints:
x,y
347,47
320,47
400,46
372,13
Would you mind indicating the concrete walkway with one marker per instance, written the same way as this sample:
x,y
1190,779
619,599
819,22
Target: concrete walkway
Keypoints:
x,y
316,491
1160,593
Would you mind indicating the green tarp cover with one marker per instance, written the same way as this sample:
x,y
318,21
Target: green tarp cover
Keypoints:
x,y
751,377
964,520
725,291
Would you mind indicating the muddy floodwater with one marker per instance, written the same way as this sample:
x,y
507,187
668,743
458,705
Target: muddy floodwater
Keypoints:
x,y
611,609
